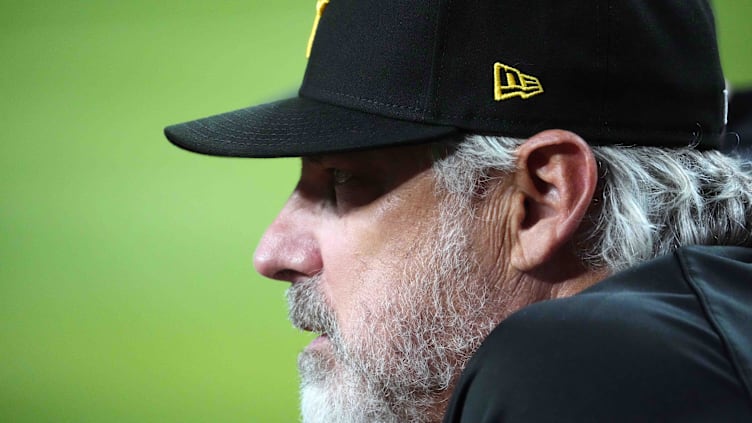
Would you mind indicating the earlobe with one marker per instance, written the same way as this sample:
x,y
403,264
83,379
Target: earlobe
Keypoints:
x,y
555,180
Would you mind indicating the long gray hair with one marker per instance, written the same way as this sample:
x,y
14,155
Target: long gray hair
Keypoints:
x,y
649,200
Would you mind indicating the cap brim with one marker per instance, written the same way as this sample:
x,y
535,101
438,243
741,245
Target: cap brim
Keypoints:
x,y
297,127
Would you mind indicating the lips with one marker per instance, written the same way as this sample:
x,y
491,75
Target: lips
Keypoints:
x,y
308,326
319,341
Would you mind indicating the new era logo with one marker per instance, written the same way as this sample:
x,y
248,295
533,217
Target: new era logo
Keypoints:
x,y
510,82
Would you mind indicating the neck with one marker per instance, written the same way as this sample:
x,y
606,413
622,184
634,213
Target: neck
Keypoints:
x,y
577,284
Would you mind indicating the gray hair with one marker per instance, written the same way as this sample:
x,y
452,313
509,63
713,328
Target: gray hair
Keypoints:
x,y
649,201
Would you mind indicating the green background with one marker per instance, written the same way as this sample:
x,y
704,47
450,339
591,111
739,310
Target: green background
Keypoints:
x,y
127,292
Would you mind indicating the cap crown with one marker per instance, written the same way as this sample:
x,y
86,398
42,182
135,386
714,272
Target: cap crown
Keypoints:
x,y
628,71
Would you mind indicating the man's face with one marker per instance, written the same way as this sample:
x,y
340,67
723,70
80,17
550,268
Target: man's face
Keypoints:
x,y
382,267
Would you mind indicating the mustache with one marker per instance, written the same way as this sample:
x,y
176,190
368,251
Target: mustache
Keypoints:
x,y
308,308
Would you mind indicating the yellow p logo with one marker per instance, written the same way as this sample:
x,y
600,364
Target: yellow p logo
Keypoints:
x,y
320,6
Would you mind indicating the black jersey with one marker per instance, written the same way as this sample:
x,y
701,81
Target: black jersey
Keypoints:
x,y
668,341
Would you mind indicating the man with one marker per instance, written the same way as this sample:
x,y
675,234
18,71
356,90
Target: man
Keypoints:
x,y
536,177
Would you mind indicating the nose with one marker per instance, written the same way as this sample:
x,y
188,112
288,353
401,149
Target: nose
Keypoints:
x,y
289,249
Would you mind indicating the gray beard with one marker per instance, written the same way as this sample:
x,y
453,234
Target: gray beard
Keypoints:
x,y
407,351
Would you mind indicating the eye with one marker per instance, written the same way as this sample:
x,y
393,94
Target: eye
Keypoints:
x,y
350,190
341,177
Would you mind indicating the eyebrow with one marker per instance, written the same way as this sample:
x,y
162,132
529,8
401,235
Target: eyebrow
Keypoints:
x,y
317,158
335,160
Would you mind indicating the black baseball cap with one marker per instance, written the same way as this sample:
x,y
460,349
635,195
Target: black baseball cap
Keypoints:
x,y
384,73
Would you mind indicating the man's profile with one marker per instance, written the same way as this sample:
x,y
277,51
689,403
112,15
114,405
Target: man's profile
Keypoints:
x,y
509,211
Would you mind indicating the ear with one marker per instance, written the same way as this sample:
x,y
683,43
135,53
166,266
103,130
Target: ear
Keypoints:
x,y
554,182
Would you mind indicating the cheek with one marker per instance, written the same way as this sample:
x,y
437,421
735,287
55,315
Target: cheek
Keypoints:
x,y
365,252
363,265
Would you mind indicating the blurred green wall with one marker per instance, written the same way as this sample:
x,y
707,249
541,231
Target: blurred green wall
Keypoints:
x,y
127,292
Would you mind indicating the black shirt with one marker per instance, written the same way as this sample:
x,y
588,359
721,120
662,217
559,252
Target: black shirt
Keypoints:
x,y
668,341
